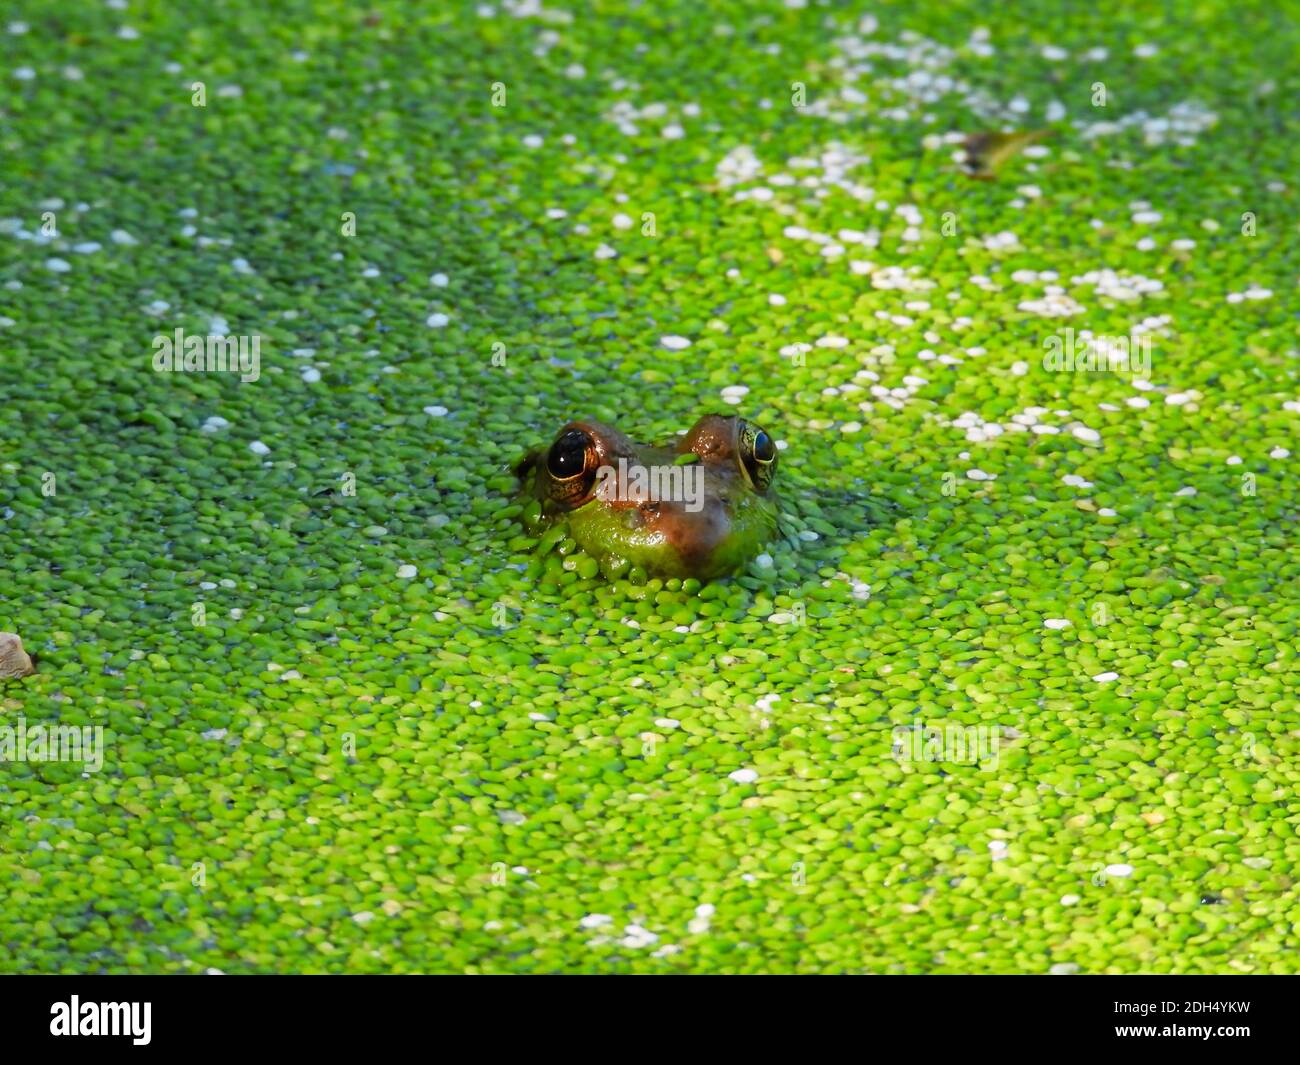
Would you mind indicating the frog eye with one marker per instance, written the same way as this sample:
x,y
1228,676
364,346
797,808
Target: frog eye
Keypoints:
x,y
757,453
571,464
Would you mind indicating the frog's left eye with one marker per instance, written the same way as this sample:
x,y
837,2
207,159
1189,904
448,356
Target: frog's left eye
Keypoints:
x,y
757,453
571,464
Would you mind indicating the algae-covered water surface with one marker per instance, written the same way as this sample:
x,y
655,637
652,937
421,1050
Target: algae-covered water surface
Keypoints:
x,y
1002,673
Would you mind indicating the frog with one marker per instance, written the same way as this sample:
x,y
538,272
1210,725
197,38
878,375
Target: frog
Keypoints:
x,y
698,507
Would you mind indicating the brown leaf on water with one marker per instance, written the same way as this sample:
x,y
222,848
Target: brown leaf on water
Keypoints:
x,y
14,661
986,153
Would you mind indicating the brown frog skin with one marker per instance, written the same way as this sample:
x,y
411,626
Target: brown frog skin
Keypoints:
x,y
715,515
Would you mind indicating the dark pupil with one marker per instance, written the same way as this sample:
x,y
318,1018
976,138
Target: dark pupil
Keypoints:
x,y
568,454
763,449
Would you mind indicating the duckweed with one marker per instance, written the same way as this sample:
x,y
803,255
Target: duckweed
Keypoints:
x,y
452,230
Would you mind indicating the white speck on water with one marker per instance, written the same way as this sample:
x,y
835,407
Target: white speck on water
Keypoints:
x,y
763,561
667,722
364,917
406,572
1279,453
700,923
57,266
743,776
1186,490
439,280
595,920
1063,968
977,474
533,140
636,937
511,817
621,221
1145,51
122,237
1105,678
128,33
1119,869
436,411
1056,623
1106,512
259,448
437,320
241,266
1069,900
1082,432
604,251
24,73
675,343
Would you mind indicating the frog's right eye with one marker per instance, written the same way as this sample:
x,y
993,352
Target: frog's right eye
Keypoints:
x,y
572,463
568,455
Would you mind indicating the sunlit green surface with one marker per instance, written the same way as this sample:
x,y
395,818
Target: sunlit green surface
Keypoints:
x,y
496,765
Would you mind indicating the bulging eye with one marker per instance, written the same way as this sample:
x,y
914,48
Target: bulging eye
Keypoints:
x,y
568,455
571,463
757,455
